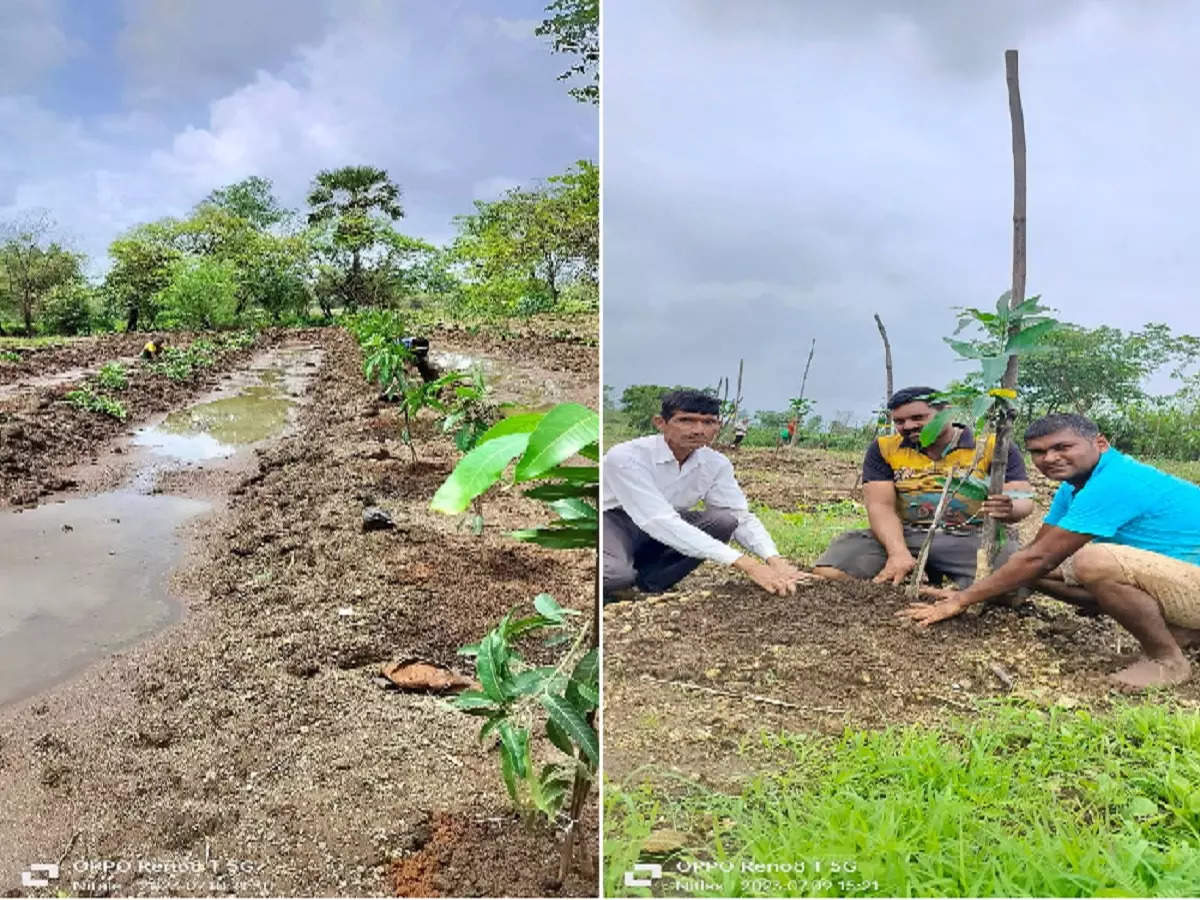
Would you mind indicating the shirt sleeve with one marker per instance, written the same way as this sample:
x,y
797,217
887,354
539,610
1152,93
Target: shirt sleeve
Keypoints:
x,y
875,467
726,493
1102,506
1016,465
632,484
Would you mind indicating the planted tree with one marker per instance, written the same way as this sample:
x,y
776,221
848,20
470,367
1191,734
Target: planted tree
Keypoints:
x,y
562,698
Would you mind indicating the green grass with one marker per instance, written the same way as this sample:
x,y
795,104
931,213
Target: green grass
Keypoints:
x,y
112,377
1189,470
803,536
9,356
1018,802
38,341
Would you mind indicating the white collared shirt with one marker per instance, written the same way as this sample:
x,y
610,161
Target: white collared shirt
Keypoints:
x,y
643,478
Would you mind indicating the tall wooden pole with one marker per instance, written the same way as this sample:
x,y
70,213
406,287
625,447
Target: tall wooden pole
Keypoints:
x,y
887,361
803,382
989,545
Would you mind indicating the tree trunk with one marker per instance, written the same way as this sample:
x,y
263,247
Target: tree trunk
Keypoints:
x,y
27,312
991,529
803,381
887,360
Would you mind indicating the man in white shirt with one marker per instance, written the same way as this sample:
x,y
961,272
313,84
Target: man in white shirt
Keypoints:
x,y
652,536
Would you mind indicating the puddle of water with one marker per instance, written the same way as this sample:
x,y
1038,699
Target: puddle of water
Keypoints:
x,y
448,359
70,597
219,427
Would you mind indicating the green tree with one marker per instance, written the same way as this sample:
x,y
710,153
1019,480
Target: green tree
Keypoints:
x,y
31,266
250,199
202,294
350,203
69,308
142,265
532,243
641,403
575,28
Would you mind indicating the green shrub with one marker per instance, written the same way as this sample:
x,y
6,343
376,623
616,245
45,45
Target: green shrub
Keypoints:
x,y
68,309
10,356
112,377
202,294
87,399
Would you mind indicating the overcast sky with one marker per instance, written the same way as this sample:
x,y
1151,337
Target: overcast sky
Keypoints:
x,y
779,171
118,112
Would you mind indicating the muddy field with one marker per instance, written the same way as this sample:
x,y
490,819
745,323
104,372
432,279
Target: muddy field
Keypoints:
x,y
694,675
251,741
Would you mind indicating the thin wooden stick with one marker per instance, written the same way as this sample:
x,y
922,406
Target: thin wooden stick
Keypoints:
x,y
887,359
991,529
803,381
914,586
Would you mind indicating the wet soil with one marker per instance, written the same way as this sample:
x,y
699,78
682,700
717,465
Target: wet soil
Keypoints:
x,y
253,731
692,677
88,353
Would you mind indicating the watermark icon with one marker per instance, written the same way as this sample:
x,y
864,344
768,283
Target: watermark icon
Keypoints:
x,y
50,870
652,870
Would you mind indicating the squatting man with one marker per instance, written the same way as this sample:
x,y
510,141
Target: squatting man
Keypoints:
x,y
653,536
1120,537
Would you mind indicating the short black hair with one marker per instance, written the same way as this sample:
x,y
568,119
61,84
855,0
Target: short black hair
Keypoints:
x,y
689,400
912,394
1080,425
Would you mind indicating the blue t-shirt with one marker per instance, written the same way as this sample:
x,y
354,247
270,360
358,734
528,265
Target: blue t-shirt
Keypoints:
x,y
1128,502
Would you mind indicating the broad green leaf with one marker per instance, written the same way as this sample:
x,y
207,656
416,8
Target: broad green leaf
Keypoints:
x,y
570,538
963,349
562,433
548,493
522,424
549,608
1027,308
573,508
1003,304
564,714
474,700
507,771
490,725
993,369
1027,339
582,689
488,668
981,406
1141,806
513,741
591,451
971,488
520,626
934,427
476,472
559,738
575,474
530,681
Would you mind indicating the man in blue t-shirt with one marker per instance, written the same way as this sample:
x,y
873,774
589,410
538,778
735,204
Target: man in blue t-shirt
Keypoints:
x,y
1120,536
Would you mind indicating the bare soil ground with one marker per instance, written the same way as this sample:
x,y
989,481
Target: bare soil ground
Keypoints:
x,y
251,739
692,676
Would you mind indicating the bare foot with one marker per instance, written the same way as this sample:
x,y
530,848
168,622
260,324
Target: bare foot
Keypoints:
x,y
1148,673
1185,637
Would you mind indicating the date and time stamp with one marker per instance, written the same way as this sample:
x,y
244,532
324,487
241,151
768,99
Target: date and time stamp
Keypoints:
x,y
754,878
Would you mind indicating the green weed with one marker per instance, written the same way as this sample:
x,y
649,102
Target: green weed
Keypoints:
x,y
802,536
1018,802
87,399
9,356
112,377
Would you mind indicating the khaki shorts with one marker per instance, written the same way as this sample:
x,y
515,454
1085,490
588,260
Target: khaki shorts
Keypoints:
x,y
1175,584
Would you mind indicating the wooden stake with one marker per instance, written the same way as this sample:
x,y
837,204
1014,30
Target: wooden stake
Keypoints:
x,y
887,359
803,381
991,528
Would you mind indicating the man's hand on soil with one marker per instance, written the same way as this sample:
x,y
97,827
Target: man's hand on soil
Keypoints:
x,y
780,564
770,578
896,569
949,605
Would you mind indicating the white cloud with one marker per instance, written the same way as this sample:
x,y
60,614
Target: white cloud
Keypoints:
x,y
32,42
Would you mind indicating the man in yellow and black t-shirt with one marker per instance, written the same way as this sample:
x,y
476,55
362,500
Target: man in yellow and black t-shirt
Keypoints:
x,y
902,482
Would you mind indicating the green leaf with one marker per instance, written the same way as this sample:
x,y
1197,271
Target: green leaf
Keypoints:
x,y
522,424
934,427
570,538
591,451
562,433
575,474
1027,308
506,771
476,472
559,738
573,508
993,369
548,493
963,349
566,716
1003,304
469,650
513,741
980,406
488,668
971,488
1028,338
490,725
520,626
1141,806
583,688
530,681
549,608
474,700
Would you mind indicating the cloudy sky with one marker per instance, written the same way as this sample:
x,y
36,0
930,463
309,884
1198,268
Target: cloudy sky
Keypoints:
x,y
776,171
123,111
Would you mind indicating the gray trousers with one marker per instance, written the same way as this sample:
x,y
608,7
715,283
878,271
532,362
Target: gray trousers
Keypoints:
x,y
632,557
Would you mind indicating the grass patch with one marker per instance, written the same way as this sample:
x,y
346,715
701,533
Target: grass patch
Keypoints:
x,y
1018,802
35,343
1188,470
87,399
112,377
803,536
9,356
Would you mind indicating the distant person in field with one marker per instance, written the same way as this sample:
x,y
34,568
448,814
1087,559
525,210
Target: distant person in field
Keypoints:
x,y
652,535
739,431
1120,537
154,348
902,483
